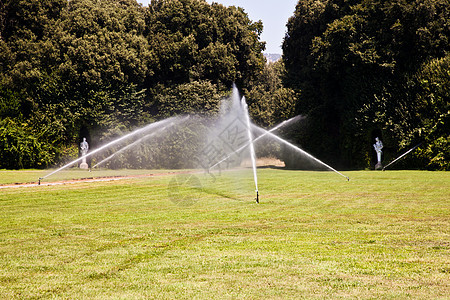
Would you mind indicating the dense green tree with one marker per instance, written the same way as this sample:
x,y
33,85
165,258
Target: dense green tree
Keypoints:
x,y
29,53
105,60
189,98
193,40
428,123
270,101
21,145
104,43
353,62
101,68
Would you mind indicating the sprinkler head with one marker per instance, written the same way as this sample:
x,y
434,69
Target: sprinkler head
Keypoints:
x,y
39,182
257,197
348,178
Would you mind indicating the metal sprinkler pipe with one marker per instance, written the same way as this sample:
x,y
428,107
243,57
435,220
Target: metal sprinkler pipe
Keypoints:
x,y
257,196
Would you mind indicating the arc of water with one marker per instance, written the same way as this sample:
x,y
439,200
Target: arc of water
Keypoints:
x,y
298,149
252,148
401,156
133,133
133,144
284,123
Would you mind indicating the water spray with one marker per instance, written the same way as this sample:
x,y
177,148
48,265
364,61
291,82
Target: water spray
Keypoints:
x,y
133,144
251,142
284,123
401,156
299,150
252,148
133,133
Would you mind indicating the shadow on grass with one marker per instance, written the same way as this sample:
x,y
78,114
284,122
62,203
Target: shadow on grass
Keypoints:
x,y
210,191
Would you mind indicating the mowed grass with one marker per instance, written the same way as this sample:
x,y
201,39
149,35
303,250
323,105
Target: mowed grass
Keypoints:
x,y
382,235
33,176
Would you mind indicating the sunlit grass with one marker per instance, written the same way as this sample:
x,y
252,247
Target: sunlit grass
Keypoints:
x,y
314,235
33,176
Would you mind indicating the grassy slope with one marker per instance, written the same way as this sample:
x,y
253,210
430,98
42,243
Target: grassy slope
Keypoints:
x,y
314,235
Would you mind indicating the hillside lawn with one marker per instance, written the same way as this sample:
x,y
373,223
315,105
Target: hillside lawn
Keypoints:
x,y
314,235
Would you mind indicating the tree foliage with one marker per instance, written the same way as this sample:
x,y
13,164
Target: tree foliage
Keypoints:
x,y
69,68
269,101
355,68
356,63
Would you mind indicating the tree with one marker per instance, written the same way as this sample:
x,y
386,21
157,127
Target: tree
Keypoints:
x,y
69,65
354,62
270,101
193,40
429,122
77,67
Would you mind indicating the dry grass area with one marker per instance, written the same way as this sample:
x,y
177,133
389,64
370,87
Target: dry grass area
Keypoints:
x,y
264,162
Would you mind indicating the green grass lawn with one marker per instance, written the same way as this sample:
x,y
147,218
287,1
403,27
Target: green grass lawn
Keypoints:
x,y
314,235
32,176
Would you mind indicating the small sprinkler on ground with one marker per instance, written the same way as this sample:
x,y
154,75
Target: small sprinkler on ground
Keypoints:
x,y
257,196
39,182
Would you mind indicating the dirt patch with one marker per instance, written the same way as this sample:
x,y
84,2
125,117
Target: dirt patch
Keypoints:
x,y
264,162
87,179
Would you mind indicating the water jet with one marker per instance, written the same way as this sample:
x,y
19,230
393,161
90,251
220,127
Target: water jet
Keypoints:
x,y
298,149
212,142
401,156
252,148
114,142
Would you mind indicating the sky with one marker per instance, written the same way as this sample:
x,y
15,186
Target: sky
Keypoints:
x,y
273,13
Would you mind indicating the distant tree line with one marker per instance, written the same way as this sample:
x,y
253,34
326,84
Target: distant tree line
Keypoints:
x,y
368,68
354,68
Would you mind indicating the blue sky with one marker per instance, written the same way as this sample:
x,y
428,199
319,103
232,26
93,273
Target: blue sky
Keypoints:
x,y
273,13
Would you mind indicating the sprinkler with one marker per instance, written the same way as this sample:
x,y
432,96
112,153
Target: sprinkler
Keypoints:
x,y
39,182
257,196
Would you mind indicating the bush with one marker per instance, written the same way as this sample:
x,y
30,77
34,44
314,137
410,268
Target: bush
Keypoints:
x,y
20,146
